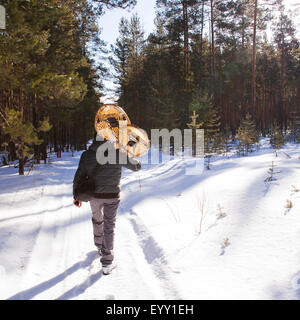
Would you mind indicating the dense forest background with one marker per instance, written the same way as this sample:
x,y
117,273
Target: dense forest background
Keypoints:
x,y
236,63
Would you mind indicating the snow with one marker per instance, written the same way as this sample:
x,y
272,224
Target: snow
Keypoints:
x,y
251,251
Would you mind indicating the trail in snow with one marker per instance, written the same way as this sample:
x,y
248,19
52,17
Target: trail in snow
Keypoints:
x,y
47,251
61,261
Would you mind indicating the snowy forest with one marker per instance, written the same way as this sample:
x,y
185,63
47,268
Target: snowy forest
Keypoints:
x,y
236,63
229,67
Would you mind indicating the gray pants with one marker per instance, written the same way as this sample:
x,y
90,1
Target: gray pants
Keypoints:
x,y
104,220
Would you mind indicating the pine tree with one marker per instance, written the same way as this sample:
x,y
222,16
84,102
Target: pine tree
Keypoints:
x,y
182,18
247,134
42,54
212,131
277,139
178,16
103,5
127,61
23,134
286,43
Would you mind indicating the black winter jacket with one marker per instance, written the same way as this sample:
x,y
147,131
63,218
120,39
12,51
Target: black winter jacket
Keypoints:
x,y
106,176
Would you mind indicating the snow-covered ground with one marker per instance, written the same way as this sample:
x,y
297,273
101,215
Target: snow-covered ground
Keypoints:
x,y
248,247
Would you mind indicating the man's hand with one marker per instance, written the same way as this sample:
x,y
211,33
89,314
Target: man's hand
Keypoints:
x,y
138,166
77,203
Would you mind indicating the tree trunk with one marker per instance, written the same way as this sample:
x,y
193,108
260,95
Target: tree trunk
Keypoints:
x,y
254,61
213,55
186,45
281,93
20,143
35,118
55,138
12,156
44,149
201,36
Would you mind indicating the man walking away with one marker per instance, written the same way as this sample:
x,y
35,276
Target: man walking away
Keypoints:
x,y
106,198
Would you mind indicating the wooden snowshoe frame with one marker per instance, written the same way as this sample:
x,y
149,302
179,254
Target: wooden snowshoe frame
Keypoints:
x,y
134,141
103,123
112,123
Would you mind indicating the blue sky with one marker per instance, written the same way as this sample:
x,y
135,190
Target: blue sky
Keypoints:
x,y
109,23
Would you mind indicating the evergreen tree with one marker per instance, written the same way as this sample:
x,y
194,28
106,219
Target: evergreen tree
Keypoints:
x,y
212,131
23,134
103,5
182,20
286,42
277,139
47,69
161,102
42,57
247,134
127,61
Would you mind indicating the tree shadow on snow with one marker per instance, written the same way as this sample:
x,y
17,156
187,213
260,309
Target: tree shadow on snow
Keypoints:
x,y
37,213
42,175
32,292
169,183
290,291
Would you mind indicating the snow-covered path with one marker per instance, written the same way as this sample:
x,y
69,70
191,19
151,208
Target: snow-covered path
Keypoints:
x,y
46,244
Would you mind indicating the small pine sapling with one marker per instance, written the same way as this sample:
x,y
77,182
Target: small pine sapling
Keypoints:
x,y
220,213
194,126
295,189
271,173
212,141
224,245
277,139
247,135
289,204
